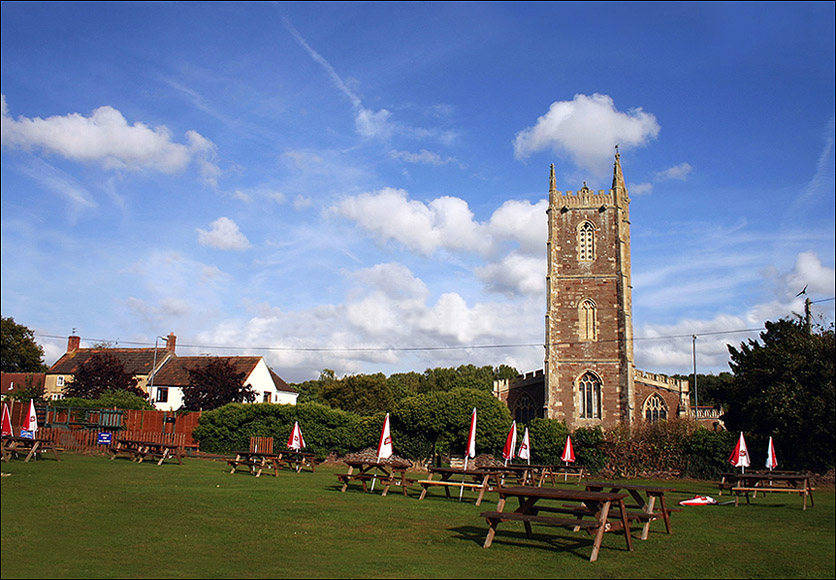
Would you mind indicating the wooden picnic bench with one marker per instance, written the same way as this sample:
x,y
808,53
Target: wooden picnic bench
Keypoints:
x,y
596,506
374,471
766,482
648,510
20,446
471,479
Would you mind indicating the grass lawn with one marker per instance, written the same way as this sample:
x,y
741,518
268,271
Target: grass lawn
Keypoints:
x,y
91,517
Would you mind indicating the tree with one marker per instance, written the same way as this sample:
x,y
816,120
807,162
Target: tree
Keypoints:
x,y
19,353
361,394
783,387
215,384
101,373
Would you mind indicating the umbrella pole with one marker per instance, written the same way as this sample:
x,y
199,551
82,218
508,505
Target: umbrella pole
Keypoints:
x,y
461,489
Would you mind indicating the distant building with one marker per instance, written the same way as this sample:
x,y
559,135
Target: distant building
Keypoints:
x,y
162,375
169,382
589,377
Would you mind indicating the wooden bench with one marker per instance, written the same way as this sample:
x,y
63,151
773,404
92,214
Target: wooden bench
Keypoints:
x,y
804,492
494,518
594,505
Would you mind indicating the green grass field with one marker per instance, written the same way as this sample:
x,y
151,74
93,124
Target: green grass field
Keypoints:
x,y
91,517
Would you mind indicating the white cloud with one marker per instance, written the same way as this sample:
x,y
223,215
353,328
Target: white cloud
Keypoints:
x,y
224,235
810,273
106,138
641,188
446,223
515,274
424,157
679,172
587,128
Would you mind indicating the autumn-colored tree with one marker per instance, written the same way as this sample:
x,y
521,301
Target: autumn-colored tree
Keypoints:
x,y
101,373
215,384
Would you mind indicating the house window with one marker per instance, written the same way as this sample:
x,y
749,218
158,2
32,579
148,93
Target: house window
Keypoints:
x,y
590,395
266,397
586,242
586,317
655,409
162,394
59,381
525,411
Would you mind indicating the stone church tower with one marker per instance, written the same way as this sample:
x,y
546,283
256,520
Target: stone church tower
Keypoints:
x,y
589,378
589,328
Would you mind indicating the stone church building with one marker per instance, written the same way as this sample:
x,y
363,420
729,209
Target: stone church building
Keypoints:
x,y
588,377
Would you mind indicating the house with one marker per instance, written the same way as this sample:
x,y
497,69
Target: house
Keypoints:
x,y
138,362
168,384
162,374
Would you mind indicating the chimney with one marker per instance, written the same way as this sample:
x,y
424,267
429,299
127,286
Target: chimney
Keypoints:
x,y
171,342
73,343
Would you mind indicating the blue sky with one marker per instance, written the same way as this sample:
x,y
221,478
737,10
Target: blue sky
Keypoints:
x,y
362,186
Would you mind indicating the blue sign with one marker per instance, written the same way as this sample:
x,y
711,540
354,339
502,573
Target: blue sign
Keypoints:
x,y
27,434
105,438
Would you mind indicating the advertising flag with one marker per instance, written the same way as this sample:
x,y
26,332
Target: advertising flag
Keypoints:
x,y
510,443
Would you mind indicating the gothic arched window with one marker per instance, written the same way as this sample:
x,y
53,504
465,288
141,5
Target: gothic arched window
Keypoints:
x,y
586,320
655,409
586,242
525,410
589,389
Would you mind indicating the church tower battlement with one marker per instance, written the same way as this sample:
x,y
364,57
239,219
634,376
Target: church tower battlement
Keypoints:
x,y
589,331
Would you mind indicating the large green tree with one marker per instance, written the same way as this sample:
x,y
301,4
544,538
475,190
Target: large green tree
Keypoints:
x,y
19,353
783,387
215,384
101,373
361,394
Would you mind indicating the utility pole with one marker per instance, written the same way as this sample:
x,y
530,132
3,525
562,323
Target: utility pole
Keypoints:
x,y
696,392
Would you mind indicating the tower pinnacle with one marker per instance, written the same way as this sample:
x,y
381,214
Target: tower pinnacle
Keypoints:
x,y
617,176
552,181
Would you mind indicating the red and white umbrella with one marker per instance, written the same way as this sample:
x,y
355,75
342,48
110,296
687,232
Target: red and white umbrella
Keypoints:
x,y
699,500
384,446
568,452
740,455
471,439
771,460
470,452
510,443
525,448
296,441
30,421
7,422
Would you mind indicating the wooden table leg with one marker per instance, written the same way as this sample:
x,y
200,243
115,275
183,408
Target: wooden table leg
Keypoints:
x,y
599,532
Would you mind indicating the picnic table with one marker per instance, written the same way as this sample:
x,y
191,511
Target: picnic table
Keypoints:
x,y
474,479
254,461
768,482
137,450
387,473
649,510
295,459
18,446
596,506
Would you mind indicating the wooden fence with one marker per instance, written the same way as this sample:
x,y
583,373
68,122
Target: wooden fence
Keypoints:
x,y
78,429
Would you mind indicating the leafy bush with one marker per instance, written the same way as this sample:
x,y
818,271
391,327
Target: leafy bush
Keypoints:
x,y
548,438
228,429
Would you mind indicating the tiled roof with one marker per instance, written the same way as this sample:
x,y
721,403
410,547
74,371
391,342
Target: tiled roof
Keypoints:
x,y
175,372
137,361
280,384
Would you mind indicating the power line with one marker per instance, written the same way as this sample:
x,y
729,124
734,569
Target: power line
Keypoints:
x,y
405,348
